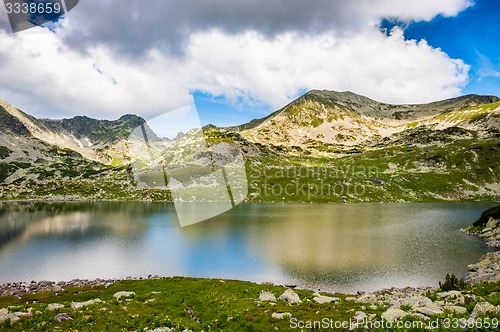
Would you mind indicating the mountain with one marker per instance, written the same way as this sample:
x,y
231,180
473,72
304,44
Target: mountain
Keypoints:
x,y
98,140
344,118
325,146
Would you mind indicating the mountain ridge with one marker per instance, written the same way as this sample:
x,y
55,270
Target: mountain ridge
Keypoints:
x,y
448,151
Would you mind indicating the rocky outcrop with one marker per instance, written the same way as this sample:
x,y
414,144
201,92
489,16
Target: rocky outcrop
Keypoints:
x,y
487,269
19,289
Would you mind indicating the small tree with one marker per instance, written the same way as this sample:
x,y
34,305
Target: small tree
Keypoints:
x,y
452,283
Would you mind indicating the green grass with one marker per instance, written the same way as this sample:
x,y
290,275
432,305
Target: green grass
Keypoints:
x,y
196,304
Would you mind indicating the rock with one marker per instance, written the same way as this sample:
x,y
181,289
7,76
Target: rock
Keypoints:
x,y
55,306
453,293
367,298
483,308
492,223
119,295
78,305
469,298
161,329
290,296
392,315
350,298
415,301
23,314
420,316
4,315
62,317
430,310
359,316
267,297
455,309
318,298
281,315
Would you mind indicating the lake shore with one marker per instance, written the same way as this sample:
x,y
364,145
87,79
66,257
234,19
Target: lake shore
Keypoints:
x,y
159,304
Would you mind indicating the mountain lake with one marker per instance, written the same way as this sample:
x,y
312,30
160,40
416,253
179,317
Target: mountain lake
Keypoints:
x,y
333,247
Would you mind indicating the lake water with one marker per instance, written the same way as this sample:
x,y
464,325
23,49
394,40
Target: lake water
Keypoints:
x,y
336,247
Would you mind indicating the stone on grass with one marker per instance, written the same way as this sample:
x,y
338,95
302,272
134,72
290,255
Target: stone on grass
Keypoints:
x,y
455,309
290,296
392,315
62,317
267,297
78,305
483,308
55,306
318,298
119,295
281,315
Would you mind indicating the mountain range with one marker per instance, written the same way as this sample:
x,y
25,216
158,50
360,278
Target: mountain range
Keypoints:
x,y
328,146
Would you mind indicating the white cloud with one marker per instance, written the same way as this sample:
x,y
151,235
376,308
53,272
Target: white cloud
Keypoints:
x,y
46,74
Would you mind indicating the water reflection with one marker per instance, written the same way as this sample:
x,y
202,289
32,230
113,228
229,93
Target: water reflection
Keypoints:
x,y
341,247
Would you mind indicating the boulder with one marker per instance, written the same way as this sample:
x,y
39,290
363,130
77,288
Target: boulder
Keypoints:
x,y
55,306
318,298
119,295
453,293
267,297
392,315
4,315
415,301
455,309
62,317
359,316
290,296
78,305
367,298
430,310
483,308
281,315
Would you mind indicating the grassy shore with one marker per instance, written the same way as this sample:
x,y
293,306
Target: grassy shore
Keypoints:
x,y
199,305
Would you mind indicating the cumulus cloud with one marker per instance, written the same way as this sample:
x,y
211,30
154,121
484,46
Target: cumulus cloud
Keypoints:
x,y
107,58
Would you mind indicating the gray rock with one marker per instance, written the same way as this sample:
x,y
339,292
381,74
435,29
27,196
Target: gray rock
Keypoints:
x,y
78,305
455,309
62,317
23,314
367,298
267,297
392,315
359,316
290,296
281,315
483,308
430,311
453,293
55,306
4,315
318,298
119,295
420,316
415,301
162,329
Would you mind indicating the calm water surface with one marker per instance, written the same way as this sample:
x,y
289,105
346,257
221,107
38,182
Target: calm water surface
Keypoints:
x,y
336,247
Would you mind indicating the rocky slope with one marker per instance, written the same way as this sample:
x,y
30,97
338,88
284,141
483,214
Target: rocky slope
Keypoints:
x,y
325,146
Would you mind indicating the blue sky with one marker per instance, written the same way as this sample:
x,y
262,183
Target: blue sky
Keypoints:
x,y
473,36
240,60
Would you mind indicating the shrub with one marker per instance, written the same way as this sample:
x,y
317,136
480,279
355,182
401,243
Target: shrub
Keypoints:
x,y
452,283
